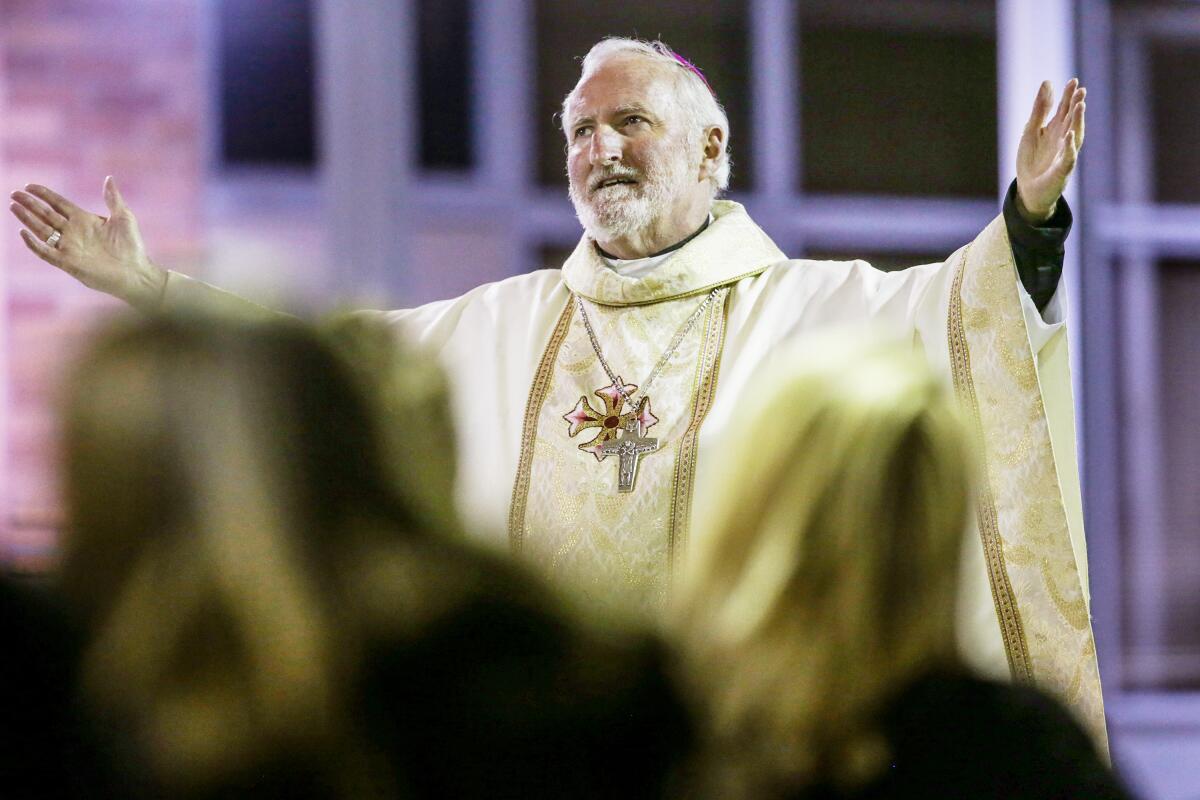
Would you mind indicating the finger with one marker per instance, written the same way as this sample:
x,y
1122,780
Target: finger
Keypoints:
x,y
1064,105
1076,98
55,200
1064,163
40,210
1041,103
112,196
42,250
1077,124
1068,121
35,225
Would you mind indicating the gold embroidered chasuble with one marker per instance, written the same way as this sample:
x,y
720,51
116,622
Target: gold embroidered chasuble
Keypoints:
x,y
617,548
520,361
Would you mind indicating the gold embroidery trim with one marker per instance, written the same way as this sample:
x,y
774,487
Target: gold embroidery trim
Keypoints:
x,y
707,371
1012,629
667,298
533,409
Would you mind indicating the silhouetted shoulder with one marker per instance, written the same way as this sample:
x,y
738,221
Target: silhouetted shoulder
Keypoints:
x,y
500,694
954,735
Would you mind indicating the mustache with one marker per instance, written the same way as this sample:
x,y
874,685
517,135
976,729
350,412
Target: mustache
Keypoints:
x,y
608,172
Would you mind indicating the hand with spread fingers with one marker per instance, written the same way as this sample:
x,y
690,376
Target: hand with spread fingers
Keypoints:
x,y
103,253
1046,155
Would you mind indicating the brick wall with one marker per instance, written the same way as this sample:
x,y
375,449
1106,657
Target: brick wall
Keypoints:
x,y
90,88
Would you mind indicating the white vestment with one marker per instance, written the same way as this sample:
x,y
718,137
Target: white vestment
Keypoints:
x,y
520,361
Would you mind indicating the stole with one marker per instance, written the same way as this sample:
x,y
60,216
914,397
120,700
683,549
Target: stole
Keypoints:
x,y
614,549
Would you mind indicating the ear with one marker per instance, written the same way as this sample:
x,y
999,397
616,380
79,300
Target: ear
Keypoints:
x,y
714,145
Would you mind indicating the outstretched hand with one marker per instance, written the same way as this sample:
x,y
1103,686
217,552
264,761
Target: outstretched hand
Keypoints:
x,y
103,253
1046,155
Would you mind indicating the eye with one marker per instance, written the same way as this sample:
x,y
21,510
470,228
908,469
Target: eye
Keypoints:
x,y
634,119
582,130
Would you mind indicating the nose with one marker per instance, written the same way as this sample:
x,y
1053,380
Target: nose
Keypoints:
x,y
605,147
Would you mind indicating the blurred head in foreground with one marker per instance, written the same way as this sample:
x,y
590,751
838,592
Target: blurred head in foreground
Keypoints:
x,y
262,543
219,475
825,579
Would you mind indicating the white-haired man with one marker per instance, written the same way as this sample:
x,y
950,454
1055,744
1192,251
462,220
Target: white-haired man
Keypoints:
x,y
592,401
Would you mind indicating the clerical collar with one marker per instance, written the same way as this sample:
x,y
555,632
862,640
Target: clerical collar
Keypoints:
x,y
731,248
640,267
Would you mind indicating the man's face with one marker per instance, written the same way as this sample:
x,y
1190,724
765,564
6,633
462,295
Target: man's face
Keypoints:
x,y
630,159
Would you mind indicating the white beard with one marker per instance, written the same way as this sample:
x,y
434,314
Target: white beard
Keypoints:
x,y
625,209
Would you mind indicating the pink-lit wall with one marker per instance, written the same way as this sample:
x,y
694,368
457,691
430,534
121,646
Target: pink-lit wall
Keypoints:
x,y
90,88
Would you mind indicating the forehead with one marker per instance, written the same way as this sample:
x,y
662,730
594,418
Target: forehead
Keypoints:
x,y
622,83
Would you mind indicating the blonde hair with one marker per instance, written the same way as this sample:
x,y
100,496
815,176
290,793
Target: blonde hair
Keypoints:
x,y
695,97
825,577
223,479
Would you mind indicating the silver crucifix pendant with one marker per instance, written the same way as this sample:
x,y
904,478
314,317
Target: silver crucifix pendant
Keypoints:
x,y
629,448
617,434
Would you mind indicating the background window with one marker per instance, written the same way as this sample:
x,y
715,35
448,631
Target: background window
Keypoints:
x,y
1170,658
266,82
444,83
1174,67
898,107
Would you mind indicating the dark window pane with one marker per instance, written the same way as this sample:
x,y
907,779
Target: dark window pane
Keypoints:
x,y
1177,657
904,111
444,75
710,33
266,82
1176,96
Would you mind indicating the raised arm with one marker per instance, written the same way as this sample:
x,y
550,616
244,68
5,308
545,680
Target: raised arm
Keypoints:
x,y
1046,155
102,253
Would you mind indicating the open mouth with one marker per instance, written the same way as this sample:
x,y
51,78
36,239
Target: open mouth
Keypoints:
x,y
608,183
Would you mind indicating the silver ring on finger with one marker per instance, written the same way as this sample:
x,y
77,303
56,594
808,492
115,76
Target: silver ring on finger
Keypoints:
x,y
52,239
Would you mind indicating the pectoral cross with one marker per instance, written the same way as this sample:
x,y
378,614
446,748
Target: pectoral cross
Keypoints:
x,y
629,448
611,423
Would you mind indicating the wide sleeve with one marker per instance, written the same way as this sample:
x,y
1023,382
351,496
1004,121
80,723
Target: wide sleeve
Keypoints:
x,y
1024,608
1028,510
182,293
